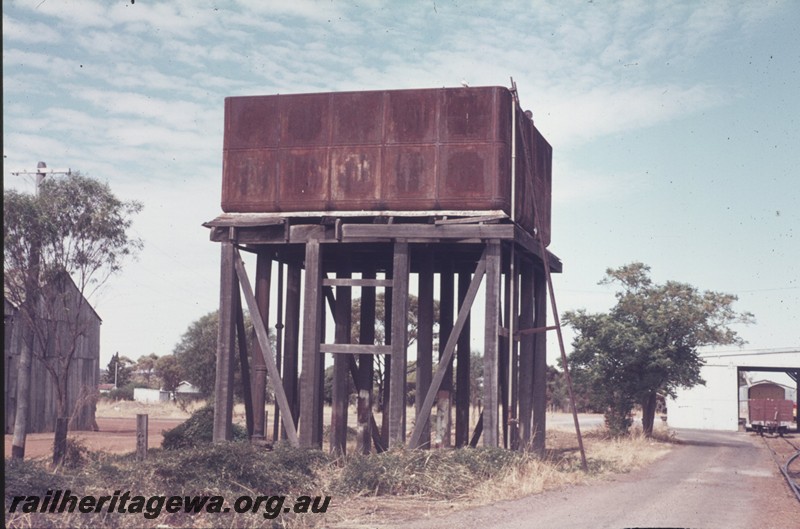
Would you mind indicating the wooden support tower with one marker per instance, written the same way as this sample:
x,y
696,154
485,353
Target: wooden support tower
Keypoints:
x,y
330,261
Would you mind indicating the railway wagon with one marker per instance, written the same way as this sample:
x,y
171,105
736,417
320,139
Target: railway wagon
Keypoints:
x,y
770,415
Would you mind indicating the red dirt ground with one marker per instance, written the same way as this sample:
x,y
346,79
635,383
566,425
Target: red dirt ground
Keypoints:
x,y
117,435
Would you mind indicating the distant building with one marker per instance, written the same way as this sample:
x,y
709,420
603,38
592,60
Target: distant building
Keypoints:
x,y
150,396
718,404
187,389
84,371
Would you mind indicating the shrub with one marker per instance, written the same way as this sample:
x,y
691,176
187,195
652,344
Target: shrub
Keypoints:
x,y
121,393
197,430
31,478
238,465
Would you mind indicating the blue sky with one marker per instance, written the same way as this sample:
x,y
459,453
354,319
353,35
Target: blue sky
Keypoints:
x,y
675,128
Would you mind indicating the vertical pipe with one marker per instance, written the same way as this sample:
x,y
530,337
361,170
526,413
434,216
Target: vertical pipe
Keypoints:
x,y
387,366
514,159
513,355
463,368
278,348
291,342
526,354
259,382
365,368
446,295
241,341
504,365
341,370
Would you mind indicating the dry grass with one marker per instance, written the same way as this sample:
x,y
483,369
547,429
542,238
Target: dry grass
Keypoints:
x,y
159,410
367,492
528,475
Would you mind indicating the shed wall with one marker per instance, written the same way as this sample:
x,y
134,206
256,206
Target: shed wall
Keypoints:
x,y
83,378
715,406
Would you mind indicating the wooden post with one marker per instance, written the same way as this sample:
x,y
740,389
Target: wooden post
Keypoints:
x,y
424,343
503,366
141,436
446,294
223,387
397,384
490,349
241,341
259,383
387,367
365,368
449,349
291,341
276,431
341,373
526,353
311,403
463,360
540,364
60,440
513,371
263,340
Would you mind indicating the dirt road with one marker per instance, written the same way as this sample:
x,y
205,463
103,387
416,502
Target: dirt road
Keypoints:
x,y
713,480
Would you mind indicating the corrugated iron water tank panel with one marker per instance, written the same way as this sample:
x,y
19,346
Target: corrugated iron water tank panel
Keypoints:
x,y
401,150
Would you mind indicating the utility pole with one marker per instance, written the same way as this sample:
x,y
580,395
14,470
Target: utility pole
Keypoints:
x,y
29,311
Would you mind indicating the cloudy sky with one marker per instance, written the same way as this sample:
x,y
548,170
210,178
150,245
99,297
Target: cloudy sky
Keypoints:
x,y
675,127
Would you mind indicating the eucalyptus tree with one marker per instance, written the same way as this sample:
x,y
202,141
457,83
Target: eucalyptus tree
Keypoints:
x,y
647,344
73,230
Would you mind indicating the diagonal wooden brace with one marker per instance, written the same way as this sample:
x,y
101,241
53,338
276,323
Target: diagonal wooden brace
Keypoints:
x,y
266,347
424,413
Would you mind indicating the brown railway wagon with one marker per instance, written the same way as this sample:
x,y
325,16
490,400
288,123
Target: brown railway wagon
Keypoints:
x,y
447,150
770,415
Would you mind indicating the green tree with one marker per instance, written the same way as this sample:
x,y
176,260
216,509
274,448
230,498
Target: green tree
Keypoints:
x,y
145,368
647,343
196,353
73,229
380,336
168,369
119,370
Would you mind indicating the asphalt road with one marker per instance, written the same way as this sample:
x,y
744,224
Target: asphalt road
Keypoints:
x,y
712,480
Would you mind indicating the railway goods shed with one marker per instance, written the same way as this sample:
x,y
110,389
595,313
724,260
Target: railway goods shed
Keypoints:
x,y
716,405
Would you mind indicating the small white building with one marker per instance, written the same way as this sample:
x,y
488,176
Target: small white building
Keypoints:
x,y
150,396
715,406
187,390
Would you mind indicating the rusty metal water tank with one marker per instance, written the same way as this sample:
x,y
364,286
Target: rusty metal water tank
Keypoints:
x,y
425,150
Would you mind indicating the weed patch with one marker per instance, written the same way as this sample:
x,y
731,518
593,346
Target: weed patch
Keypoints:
x,y
437,473
197,430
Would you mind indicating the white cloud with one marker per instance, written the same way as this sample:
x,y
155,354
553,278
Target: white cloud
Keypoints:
x,y
29,33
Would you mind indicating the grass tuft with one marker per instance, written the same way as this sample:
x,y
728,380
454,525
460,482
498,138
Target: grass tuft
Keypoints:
x,y
437,473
